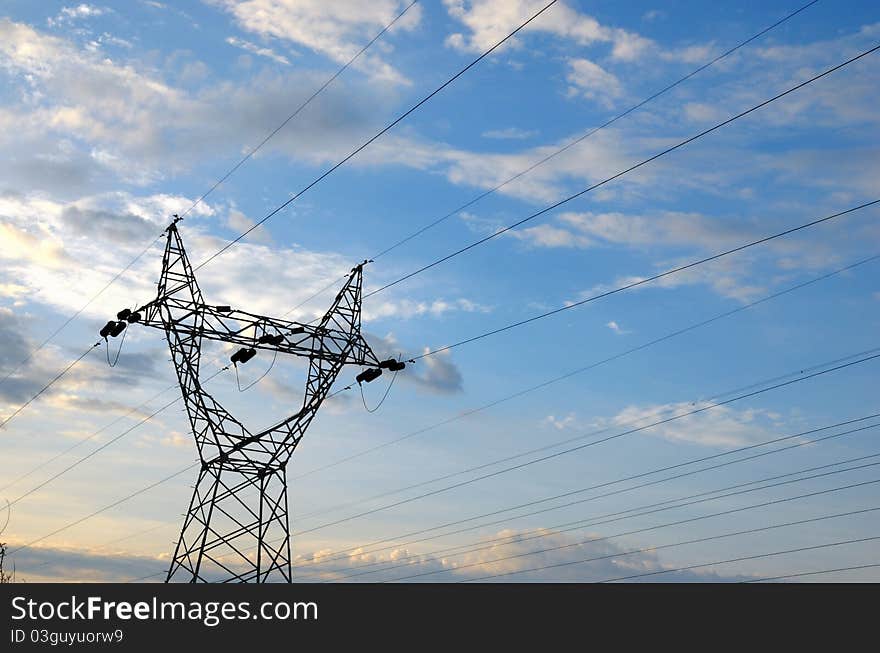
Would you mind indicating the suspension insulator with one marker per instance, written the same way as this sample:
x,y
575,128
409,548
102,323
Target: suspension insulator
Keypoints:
x,y
370,374
223,309
269,339
118,327
236,357
297,330
123,314
107,328
243,355
134,317
392,365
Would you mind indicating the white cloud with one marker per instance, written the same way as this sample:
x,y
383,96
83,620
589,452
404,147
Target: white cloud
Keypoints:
x,y
437,374
548,235
89,99
668,228
269,53
510,133
82,117
719,427
81,10
57,563
337,29
124,117
728,278
615,327
512,551
700,112
593,82
556,557
61,254
690,54
562,423
77,12
408,308
601,155
488,21
239,222
177,440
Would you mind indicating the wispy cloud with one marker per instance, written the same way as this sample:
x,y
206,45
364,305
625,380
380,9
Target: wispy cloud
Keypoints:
x,y
487,21
510,133
616,328
77,12
253,48
594,82
336,29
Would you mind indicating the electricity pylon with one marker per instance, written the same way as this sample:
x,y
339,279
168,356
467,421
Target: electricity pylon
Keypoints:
x,y
236,528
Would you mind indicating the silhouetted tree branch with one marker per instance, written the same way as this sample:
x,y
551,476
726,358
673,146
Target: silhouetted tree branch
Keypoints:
x,y
4,576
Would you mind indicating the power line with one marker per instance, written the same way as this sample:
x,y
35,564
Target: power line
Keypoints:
x,y
143,421
106,508
96,451
812,573
372,544
562,377
82,441
656,156
582,523
583,436
734,490
106,544
568,146
583,446
743,558
849,513
646,510
78,312
583,301
130,496
742,396
461,415
148,576
600,431
589,133
142,490
151,529
711,538
646,280
404,115
462,71
373,138
297,111
49,384
410,5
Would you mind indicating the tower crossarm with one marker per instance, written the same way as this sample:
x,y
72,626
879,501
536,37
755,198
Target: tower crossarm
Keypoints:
x,y
264,333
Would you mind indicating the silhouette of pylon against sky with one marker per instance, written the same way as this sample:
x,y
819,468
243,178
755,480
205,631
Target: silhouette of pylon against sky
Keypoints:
x,y
236,528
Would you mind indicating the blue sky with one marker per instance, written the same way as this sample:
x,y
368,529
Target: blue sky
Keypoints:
x,y
116,115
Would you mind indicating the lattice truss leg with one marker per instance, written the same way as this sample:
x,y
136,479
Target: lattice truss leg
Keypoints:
x,y
236,528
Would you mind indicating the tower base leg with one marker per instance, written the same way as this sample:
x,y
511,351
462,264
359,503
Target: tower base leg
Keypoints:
x,y
236,528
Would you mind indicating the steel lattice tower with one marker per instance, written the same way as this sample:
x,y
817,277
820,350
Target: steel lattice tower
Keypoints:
x,y
236,528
